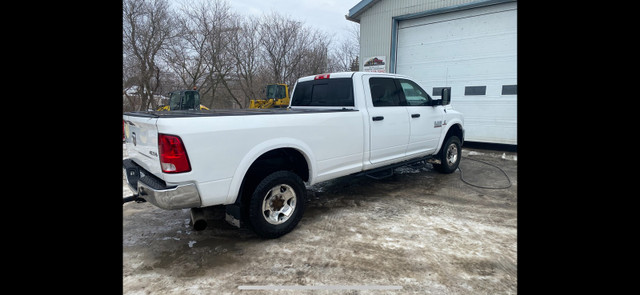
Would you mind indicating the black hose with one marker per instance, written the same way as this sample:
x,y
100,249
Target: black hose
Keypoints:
x,y
487,187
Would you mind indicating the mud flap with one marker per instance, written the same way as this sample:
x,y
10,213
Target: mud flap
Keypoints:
x,y
233,215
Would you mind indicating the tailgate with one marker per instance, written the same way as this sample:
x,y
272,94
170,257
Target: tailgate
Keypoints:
x,y
141,137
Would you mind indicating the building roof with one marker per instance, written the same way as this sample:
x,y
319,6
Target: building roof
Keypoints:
x,y
358,9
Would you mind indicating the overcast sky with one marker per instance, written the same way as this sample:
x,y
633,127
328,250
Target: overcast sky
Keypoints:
x,y
324,15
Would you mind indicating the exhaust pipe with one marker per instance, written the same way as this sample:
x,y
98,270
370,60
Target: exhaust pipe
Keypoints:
x,y
197,219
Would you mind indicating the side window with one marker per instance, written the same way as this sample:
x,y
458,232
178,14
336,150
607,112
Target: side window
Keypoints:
x,y
174,101
385,93
414,95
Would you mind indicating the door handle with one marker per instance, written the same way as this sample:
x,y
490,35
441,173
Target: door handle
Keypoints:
x,y
378,118
415,115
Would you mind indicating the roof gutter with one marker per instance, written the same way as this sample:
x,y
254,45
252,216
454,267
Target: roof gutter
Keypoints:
x,y
358,9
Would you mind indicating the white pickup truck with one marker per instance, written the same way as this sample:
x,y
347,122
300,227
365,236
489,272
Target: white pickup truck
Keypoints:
x,y
255,162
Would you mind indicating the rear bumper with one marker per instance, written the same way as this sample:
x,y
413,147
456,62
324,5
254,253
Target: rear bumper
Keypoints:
x,y
155,191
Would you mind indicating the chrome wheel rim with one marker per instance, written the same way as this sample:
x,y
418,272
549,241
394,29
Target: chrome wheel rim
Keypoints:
x,y
279,204
452,154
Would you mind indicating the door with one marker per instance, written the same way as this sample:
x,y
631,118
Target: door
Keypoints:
x,y
425,120
389,120
474,52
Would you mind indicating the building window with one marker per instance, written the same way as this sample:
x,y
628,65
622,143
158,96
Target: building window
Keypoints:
x,y
437,91
509,89
475,90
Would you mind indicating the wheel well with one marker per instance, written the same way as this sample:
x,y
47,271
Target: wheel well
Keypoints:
x,y
456,130
282,159
288,159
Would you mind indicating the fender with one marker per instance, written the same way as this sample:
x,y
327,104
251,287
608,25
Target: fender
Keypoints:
x,y
450,123
261,149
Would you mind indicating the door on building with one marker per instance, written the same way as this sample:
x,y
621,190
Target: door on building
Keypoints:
x,y
474,53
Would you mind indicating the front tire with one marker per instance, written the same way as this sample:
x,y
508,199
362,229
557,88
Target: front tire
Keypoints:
x,y
277,204
449,156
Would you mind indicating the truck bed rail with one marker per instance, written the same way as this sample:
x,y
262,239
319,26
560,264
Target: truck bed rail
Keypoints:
x,y
234,112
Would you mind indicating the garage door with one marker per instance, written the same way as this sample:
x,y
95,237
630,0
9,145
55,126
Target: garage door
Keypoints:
x,y
474,53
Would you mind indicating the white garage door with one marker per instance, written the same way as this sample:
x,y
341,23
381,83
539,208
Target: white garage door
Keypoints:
x,y
474,53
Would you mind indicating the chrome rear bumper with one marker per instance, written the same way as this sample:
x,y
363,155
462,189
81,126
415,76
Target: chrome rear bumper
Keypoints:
x,y
146,186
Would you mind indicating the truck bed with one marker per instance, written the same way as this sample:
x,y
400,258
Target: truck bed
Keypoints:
x,y
232,112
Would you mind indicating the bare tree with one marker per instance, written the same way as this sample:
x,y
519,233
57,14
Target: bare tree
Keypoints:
x,y
146,29
286,43
207,30
344,57
314,57
184,53
354,29
245,48
228,57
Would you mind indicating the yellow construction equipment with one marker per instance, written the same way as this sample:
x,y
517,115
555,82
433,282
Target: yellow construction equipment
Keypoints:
x,y
183,100
277,96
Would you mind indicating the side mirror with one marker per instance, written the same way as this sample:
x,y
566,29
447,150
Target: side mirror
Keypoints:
x,y
446,96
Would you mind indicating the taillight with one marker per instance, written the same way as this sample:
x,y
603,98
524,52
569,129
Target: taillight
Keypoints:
x,y
320,77
173,155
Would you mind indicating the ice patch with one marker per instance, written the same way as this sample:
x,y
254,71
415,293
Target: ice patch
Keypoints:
x,y
191,243
513,157
168,238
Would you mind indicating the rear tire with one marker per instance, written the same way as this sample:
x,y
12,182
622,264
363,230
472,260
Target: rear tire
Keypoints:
x,y
449,156
277,204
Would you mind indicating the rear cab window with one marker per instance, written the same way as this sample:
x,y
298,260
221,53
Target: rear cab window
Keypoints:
x,y
335,92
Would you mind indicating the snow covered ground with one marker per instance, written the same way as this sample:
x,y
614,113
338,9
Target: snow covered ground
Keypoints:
x,y
420,231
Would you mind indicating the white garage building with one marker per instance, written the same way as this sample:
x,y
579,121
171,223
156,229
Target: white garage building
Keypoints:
x,y
467,46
